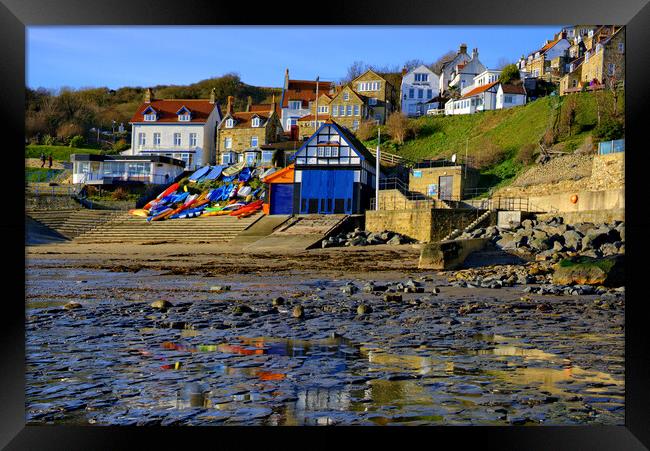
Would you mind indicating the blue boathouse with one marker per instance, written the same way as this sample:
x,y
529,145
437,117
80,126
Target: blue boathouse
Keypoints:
x,y
334,173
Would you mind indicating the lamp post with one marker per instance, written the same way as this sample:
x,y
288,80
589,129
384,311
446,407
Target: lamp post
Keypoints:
x,y
377,156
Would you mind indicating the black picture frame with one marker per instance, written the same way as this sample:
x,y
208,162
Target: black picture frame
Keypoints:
x,y
15,15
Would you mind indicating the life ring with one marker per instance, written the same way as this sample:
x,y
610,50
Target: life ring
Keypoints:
x,y
574,199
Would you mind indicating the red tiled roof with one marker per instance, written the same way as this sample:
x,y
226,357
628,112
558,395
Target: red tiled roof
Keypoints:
x,y
264,108
513,89
305,91
166,109
479,90
548,46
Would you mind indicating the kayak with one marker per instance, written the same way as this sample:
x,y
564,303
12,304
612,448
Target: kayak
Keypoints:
x,y
214,173
234,169
139,212
245,175
245,208
199,173
170,189
244,191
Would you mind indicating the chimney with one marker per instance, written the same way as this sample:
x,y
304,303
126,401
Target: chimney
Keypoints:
x,y
463,49
474,53
213,96
286,78
148,95
229,105
249,102
404,71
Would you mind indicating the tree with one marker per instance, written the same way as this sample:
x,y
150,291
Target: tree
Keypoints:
x,y
398,127
509,74
445,58
367,129
356,68
568,114
614,75
412,64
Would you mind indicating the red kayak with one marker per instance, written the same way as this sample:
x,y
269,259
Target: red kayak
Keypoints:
x,y
170,189
245,208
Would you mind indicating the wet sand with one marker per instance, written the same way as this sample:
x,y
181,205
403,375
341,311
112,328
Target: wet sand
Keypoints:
x,y
459,356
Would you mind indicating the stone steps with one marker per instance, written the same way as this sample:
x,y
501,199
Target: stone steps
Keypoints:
x,y
457,232
72,222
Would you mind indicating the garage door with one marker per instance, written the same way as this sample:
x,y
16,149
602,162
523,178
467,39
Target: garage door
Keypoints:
x,y
326,191
281,199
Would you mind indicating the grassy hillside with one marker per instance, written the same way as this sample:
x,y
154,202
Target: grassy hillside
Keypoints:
x,y
59,153
504,132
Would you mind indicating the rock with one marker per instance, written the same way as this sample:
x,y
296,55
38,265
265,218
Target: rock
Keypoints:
x,y
606,271
469,308
220,288
161,304
528,223
609,249
277,301
435,290
392,297
395,240
72,305
242,308
363,309
369,287
349,289
298,311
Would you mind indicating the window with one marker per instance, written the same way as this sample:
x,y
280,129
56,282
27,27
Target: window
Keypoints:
x,y
611,68
256,122
507,99
293,121
253,141
321,151
429,93
230,123
335,152
411,93
184,117
295,104
335,111
141,139
421,77
574,83
341,110
323,109
156,139
192,139
346,96
372,101
227,143
355,124
150,117
348,110
621,47
356,110
177,139
420,93
328,151
250,158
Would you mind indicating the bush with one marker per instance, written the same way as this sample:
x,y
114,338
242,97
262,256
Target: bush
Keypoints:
x,y
526,154
49,140
399,127
489,154
608,130
77,141
367,129
509,74
120,194
120,145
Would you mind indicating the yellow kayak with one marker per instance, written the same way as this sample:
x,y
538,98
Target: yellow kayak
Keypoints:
x,y
139,212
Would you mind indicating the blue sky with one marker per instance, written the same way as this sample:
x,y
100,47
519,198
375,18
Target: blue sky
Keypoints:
x,y
84,56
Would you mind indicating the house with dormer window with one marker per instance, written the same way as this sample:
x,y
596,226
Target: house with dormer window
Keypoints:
x,y
180,129
242,135
376,93
298,99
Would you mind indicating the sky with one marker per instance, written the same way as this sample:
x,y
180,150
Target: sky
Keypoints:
x,y
117,56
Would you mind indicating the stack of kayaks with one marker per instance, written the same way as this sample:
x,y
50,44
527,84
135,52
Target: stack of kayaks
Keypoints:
x,y
235,196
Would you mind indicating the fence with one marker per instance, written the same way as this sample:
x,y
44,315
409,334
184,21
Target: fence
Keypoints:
x,y
613,146
42,176
155,179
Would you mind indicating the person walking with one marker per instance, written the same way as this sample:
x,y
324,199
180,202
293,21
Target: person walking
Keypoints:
x,y
42,160
50,161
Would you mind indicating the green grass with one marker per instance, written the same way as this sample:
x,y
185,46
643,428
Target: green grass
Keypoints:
x,y
510,130
41,174
59,153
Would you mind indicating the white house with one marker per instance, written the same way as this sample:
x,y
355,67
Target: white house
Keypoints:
x,y
463,75
419,86
486,77
182,129
449,67
491,96
297,97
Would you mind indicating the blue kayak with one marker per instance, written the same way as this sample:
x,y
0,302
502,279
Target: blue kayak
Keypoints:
x,y
214,173
199,173
245,175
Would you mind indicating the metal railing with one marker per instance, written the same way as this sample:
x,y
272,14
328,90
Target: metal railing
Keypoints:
x,y
155,179
388,157
614,146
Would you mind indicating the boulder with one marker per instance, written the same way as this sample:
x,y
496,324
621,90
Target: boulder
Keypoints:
x,y
298,311
572,240
395,240
607,271
161,304
363,309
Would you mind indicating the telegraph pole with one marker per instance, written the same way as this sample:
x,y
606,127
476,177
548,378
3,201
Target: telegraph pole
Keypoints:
x,y
316,116
377,156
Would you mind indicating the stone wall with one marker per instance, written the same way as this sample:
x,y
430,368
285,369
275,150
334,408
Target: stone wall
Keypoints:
x,y
50,202
424,225
608,171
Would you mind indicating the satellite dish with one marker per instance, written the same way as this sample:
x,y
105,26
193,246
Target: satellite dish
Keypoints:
x,y
453,158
